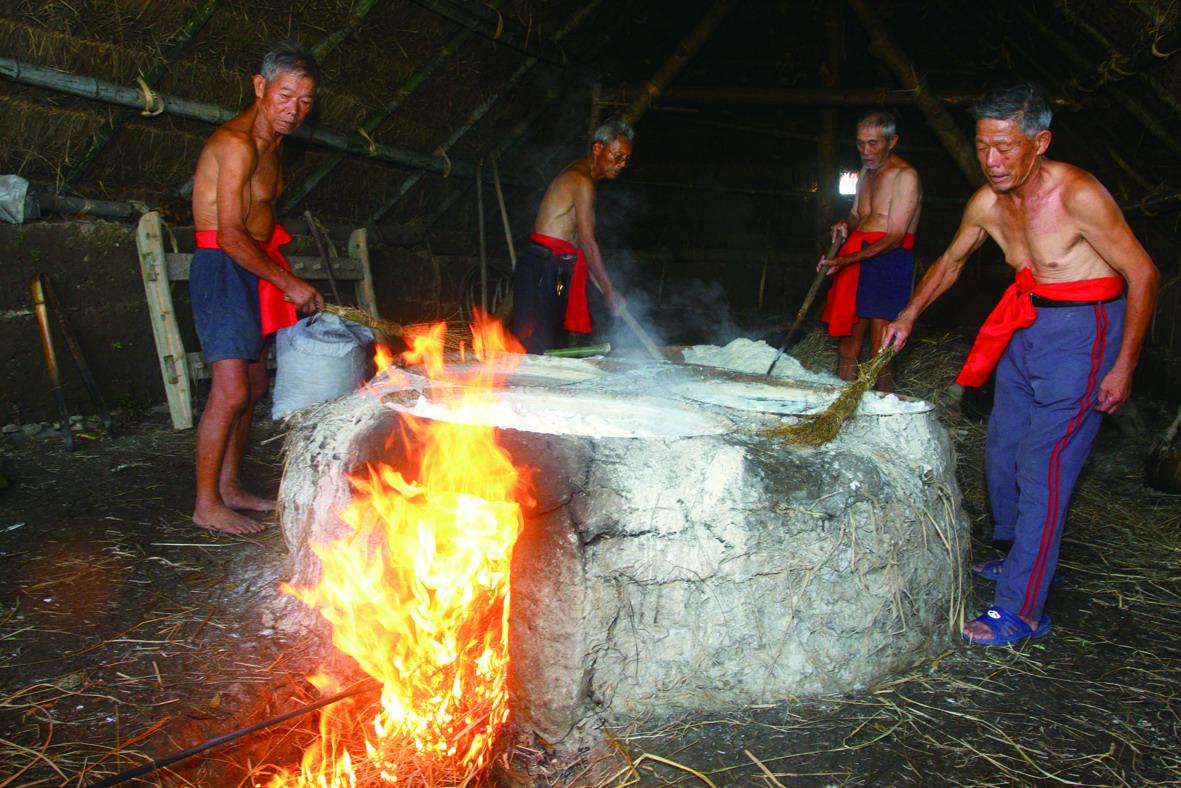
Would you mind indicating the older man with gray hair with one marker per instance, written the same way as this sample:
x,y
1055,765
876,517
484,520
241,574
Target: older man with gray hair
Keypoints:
x,y
550,280
1063,341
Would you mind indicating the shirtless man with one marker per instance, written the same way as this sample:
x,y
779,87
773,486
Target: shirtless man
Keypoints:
x,y
874,268
549,283
234,194
1066,335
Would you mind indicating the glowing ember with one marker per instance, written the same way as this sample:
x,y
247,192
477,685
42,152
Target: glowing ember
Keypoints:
x,y
417,592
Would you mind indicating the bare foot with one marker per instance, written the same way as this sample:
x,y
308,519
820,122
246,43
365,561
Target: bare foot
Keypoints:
x,y
237,498
221,518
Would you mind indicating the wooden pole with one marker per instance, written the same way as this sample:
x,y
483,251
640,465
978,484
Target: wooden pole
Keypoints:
x,y
826,149
357,14
685,51
1080,61
480,111
494,30
111,127
949,134
297,192
480,235
508,230
738,95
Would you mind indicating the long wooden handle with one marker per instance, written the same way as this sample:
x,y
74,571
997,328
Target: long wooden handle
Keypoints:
x,y
808,299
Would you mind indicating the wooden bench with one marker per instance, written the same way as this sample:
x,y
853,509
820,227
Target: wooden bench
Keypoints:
x,y
160,269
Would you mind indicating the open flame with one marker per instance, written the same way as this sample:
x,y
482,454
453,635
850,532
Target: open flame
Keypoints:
x,y
417,592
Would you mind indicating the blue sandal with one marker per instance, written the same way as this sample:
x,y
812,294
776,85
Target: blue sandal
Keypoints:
x,y
992,572
1006,628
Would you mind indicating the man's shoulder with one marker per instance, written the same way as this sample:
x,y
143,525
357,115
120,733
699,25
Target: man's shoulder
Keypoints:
x,y
231,139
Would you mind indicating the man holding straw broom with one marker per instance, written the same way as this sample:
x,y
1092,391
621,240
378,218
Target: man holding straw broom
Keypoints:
x,y
873,271
242,288
1064,341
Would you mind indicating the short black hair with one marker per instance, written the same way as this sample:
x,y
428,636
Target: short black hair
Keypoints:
x,y
290,57
1024,104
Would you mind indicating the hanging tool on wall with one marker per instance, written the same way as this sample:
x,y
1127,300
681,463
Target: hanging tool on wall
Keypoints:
x,y
315,231
808,299
45,298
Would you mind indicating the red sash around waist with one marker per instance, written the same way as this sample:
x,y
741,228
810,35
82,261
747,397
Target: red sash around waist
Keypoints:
x,y
274,310
577,311
840,306
1016,310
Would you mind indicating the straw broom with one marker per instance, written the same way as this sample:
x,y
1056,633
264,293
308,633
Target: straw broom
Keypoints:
x,y
821,428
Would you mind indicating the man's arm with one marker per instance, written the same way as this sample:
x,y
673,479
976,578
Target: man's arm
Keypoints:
x,y
584,215
1103,226
941,275
236,161
905,193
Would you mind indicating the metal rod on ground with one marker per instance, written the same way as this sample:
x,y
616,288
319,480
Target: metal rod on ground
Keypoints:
x,y
368,685
808,299
480,231
63,322
315,231
508,230
55,385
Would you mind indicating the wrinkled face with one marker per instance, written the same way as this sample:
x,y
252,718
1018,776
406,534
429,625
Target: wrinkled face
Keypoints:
x,y
286,99
1006,155
611,159
874,146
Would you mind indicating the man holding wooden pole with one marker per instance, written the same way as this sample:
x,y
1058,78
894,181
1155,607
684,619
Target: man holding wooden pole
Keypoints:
x,y
873,272
1063,341
242,288
550,279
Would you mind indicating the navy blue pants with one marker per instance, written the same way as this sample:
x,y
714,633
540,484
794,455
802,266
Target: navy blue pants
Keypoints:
x,y
1039,435
884,284
226,311
540,291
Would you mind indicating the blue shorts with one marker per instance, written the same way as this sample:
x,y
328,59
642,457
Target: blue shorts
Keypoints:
x,y
225,307
884,284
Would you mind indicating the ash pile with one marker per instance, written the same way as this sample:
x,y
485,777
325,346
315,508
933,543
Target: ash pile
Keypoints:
x,y
678,557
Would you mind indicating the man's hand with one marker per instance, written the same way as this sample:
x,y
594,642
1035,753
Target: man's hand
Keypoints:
x,y
833,265
897,333
306,298
613,299
1114,390
839,230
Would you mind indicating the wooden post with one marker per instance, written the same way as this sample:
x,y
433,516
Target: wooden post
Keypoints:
x,y
508,230
826,151
685,51
883,47
480,236
359,249
169,348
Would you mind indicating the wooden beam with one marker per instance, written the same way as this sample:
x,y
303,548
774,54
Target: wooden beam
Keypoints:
x,y
672,67
735,95
949,134
297,192
492,26
481,110
111,126
357,14
1080,61
827,173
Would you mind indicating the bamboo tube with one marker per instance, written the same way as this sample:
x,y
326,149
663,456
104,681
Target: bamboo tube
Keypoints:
x,y
480,111
672,67
887,50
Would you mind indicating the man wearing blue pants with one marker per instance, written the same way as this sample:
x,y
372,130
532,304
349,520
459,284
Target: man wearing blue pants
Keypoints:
x,y
1064,341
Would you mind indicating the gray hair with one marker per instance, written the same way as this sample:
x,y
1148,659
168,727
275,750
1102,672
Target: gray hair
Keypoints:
x,y
1024,104
611,130
879,118
288,56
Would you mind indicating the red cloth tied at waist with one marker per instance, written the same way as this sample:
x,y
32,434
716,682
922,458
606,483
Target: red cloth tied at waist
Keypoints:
x,y
840,306
1016,310
274,310
577,312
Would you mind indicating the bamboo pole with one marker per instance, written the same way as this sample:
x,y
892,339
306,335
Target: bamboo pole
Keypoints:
x,y
296,193
494,30
480,236
1080,61
737,95
106,132
672,67
481,110
949,134
357,15
826,148
508,230
99,90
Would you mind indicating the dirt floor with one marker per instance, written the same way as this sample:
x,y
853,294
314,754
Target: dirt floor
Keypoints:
x,y
127,634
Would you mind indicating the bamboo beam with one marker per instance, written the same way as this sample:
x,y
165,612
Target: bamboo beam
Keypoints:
x,y
99,90
1170,202
830,96
493,26
949,134
826,148
357,15
480,111
1119,66
672,67
1080,61
297,192
106,132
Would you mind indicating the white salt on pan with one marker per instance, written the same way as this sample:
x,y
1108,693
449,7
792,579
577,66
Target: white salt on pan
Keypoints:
x,y
754,356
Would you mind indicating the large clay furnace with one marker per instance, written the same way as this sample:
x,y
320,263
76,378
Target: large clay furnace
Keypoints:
x,y
679,558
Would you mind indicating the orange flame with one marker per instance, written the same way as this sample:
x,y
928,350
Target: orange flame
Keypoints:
x,y
417,592
383,357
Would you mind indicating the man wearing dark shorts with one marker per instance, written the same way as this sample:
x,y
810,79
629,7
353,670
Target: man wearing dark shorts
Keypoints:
x,y
874,270
242,289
